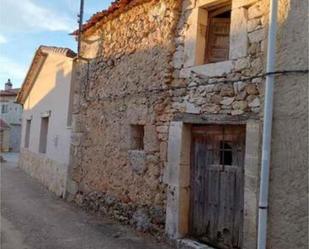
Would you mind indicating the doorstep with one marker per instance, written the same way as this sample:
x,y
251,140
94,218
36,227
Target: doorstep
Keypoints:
x,y
191,244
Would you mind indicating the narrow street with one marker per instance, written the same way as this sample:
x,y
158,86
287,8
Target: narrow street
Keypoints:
x,y
34,218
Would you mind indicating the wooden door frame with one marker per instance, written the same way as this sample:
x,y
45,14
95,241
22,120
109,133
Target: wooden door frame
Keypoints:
x,y
177,178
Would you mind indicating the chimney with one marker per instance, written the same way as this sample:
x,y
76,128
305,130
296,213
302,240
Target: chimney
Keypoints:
x,y
8,85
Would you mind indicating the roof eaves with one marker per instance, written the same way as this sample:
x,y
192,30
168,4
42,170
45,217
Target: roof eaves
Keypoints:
x,y
36,64
115,9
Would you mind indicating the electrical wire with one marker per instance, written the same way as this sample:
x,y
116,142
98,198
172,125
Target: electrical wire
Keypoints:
x,y
151,91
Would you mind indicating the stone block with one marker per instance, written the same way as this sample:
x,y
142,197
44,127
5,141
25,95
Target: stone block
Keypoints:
x,y
141,220
216,99
210,70
227,100
190,39
137,161
255,103
255,11
237,112
151,141
211,108
253,24
71,187
242,3
174,142
240,85
239,36
172,174
76,138
163,151
240,105
242,63
178,58
251,89
257,36
191,108
191,244
50,173
227,91
257,65
188,4
172,214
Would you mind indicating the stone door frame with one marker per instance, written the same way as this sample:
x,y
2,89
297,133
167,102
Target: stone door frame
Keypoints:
x,y
177,178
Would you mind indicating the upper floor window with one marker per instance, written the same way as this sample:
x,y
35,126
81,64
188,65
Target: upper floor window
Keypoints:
x,y
43,134
218,33
27,133
4,109
137,137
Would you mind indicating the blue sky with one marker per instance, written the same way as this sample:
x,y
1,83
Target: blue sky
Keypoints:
x,y
27,24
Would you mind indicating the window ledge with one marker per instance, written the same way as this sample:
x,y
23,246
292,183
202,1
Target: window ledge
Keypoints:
x,y
210,70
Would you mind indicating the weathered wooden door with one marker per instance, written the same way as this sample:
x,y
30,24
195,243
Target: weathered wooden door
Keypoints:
x,y
217,169
218,40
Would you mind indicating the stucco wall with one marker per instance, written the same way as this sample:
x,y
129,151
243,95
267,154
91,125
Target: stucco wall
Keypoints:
x,y
15,137
288,213
13,116
50,93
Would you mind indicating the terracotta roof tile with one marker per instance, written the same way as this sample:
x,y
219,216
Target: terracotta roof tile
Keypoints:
x,y
11,92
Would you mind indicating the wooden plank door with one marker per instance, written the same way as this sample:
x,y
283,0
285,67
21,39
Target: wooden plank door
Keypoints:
x,y
217,166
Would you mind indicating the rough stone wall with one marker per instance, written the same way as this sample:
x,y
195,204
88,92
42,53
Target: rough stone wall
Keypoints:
x,y
50,173
288,213
144,48
222,88
147,48
220,92
130,56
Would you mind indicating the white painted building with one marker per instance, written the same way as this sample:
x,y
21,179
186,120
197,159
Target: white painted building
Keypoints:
x,y
46,128
11,112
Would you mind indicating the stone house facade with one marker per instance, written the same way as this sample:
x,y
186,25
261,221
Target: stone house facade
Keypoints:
x,y
168,97
46,123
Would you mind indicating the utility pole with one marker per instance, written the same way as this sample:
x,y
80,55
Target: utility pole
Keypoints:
x,y
80,23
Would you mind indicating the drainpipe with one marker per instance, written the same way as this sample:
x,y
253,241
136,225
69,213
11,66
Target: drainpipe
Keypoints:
x,y
267,126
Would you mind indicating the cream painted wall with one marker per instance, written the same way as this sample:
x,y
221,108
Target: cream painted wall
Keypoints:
x,y
50,93
13,116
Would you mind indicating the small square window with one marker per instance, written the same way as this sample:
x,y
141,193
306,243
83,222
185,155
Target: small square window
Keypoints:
x,y
226,153
137,137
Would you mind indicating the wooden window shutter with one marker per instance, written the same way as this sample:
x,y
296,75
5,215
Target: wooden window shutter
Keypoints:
x,y
218,38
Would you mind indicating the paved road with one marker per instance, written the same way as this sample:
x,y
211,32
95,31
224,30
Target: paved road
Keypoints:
x,y
33,218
